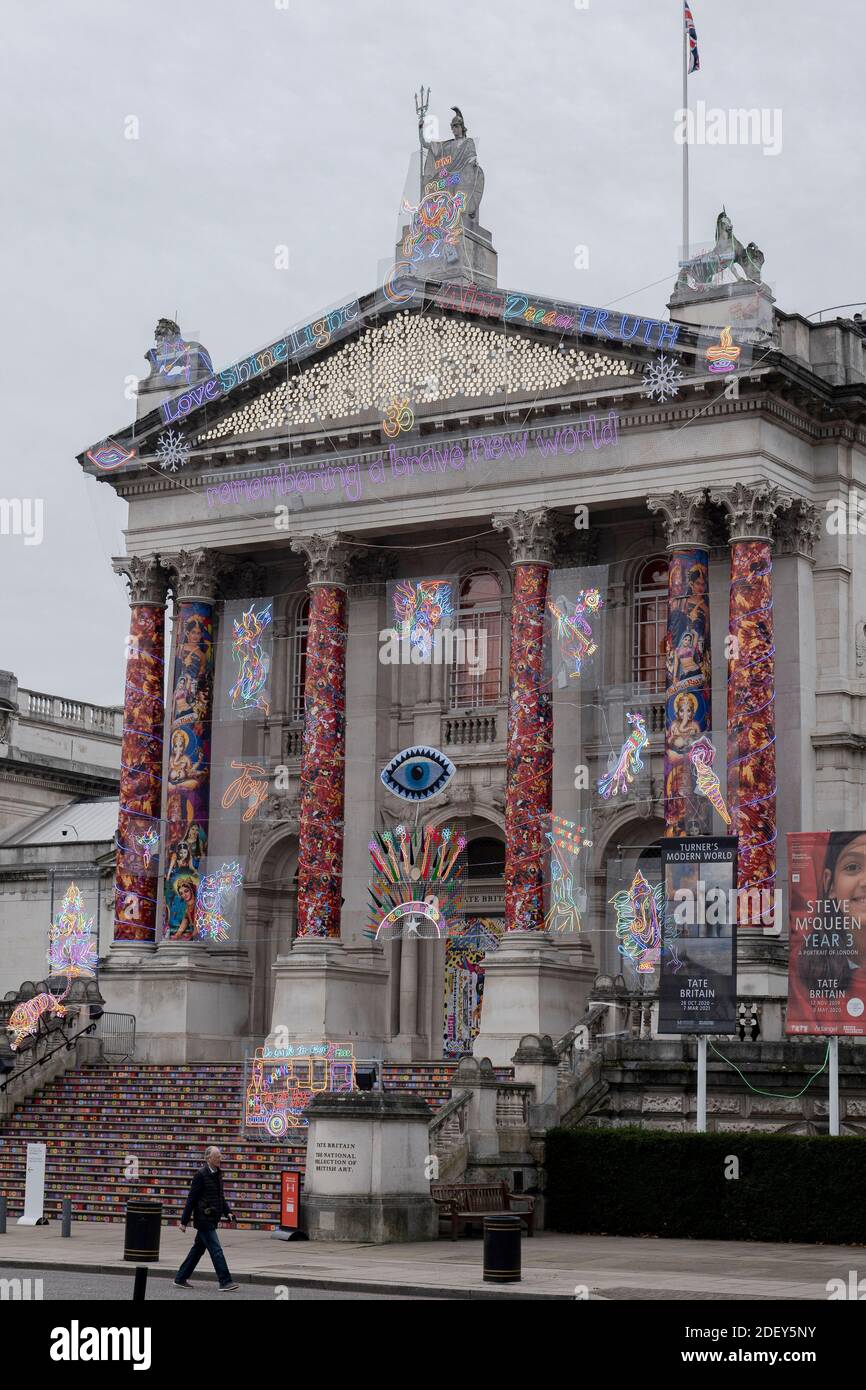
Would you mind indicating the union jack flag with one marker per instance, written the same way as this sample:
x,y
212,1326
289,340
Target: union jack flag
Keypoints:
x,y
694,56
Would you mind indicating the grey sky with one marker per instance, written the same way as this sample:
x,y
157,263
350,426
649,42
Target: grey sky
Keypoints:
x,y
262,126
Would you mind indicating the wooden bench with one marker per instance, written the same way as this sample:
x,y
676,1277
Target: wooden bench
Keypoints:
x,y
465,1204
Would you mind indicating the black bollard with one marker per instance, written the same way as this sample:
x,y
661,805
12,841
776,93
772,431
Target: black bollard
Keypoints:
x,y
139,1288
2,1214
66,1216
141,1240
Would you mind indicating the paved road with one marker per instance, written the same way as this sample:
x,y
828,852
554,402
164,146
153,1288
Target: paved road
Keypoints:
x,y
117,1288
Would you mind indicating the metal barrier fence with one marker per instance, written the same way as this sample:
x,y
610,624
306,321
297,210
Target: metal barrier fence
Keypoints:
x,y
116,1034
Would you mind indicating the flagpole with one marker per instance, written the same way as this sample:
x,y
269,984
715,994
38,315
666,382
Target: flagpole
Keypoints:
x,y
686,249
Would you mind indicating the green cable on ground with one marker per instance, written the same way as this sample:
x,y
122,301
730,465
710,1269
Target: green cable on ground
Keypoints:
x,y
777,1095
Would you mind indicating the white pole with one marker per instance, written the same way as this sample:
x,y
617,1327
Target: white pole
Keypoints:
x,y
686,140
834,1085
702,1084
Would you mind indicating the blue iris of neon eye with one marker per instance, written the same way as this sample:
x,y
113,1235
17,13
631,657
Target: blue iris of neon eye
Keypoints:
x,y
418,773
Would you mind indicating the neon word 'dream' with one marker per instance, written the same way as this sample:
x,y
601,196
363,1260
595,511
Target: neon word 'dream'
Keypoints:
x,y
292,347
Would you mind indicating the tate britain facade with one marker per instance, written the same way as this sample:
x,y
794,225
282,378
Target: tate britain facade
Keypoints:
x,y
473,598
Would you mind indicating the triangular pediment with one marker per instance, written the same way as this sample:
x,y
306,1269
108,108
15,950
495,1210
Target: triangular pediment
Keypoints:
x,y
428,349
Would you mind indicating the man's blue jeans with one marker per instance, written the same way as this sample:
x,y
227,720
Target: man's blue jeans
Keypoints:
x,y
206,1239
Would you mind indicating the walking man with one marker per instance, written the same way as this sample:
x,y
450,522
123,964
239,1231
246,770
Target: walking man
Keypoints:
x,y
207,1206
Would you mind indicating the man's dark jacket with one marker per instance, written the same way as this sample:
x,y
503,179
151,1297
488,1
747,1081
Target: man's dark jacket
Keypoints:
x,y
205,1203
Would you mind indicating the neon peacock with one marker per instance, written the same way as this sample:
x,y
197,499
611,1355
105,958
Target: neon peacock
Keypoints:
x,y
629,762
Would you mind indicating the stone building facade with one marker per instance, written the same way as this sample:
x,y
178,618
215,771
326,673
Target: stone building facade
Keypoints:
x,y
441,427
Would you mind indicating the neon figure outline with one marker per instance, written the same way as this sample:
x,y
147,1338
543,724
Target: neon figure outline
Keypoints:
x,y
420,607
253,661
210,923
576,638
702,755
639,915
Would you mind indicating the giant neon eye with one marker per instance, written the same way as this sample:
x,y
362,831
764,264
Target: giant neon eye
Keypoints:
x,y
418,773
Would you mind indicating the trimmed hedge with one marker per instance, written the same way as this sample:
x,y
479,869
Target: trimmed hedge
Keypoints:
x,y
635,1182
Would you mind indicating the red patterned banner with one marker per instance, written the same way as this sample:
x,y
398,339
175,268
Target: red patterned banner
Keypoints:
x,y
752,721
323,766
530,754
189,740
688,707
140,777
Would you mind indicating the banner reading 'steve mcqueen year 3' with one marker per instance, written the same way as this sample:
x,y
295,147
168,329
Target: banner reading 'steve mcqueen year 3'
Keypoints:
x,y
698,983
827,927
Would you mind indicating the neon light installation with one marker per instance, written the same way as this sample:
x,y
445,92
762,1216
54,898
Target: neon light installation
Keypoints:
x,y
566,838
210,922
71,948
435,227
639,914
25,1018
416,774
576,638
246,787
420,607
416,884
253,661
398,417
629,762
702,755
281,1082
723,356
110,455
148,844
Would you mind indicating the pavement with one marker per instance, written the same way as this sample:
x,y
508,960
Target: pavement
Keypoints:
x,y
554,1266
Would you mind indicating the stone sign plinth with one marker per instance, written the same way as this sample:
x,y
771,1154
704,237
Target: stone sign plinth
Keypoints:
x,y
366,1160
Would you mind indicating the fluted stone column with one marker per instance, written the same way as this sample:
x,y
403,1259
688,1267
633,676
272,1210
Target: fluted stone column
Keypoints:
x,y
688,697
190,718
138,827
531,984
752,692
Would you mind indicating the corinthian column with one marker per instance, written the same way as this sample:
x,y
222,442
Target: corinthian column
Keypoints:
x,y
137,853
688,697
529,762
752,693
189,738
320,870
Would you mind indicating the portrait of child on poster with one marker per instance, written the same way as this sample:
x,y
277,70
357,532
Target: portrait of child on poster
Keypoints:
x,y
827,928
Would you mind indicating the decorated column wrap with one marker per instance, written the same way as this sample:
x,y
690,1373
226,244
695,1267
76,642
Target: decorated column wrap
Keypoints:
x,y
752,694
323,761
688,695
529,762
189,740
141,751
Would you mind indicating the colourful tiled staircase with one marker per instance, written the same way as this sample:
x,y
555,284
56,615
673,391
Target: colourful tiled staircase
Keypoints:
x,y
116,1132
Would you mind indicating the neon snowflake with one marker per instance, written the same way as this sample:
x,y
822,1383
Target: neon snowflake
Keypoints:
x,y
172,450
662,378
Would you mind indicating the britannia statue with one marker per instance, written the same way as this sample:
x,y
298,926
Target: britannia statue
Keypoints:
x,y
451,165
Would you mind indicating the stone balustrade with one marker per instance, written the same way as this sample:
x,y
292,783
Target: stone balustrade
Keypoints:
x,y
465,730
35,706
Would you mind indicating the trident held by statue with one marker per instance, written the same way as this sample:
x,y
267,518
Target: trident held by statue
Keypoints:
x,y
422,103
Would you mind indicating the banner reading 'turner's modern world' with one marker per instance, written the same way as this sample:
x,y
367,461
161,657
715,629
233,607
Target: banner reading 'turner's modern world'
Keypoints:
x,y
698,983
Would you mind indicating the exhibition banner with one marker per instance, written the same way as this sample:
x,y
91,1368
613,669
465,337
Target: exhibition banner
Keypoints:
x,y
698,984
826,912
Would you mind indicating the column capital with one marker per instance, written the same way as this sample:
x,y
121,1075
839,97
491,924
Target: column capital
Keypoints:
x,y
683,517
751,509
196,575
531,535
369,572
242,579
797,530
327,557
146,578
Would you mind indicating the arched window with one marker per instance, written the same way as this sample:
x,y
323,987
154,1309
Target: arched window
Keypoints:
x,y
650,623
485,858
299,659
476,675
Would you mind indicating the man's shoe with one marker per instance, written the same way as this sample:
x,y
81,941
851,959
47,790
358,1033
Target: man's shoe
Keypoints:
x,y
227,1288
182,1284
